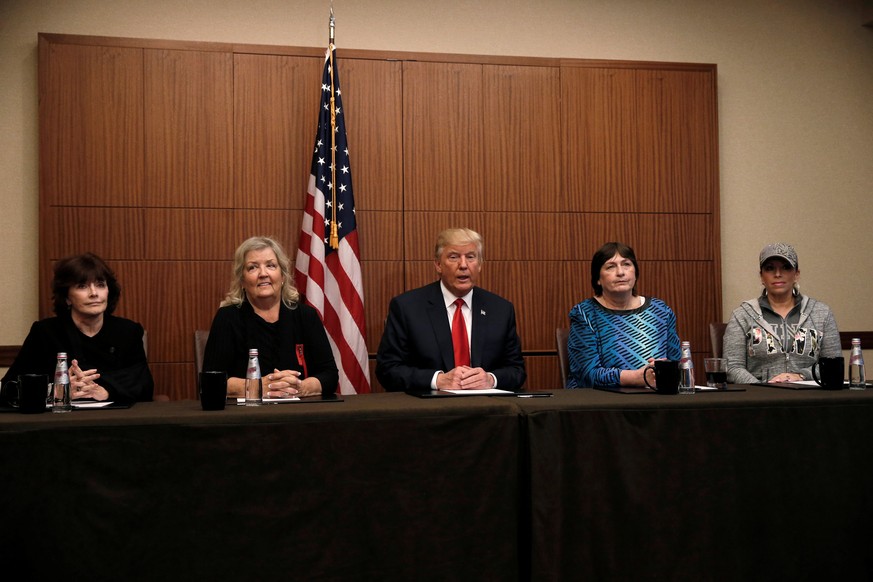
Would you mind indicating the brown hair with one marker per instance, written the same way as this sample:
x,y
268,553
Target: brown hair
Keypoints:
x,y
79,269
605,253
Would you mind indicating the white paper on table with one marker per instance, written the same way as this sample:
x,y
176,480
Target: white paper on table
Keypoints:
x,y
484,391
272,400
91,404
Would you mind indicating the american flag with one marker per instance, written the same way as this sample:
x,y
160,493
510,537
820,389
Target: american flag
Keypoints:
x,y
328,275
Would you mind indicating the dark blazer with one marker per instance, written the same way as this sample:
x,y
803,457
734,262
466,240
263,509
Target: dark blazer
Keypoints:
x,y
116,352
237,328
417,340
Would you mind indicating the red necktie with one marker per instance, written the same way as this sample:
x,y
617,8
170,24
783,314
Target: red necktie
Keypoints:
x,y
459,336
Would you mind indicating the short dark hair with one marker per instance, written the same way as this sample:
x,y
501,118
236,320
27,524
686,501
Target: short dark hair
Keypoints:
x,y
605,253
78,269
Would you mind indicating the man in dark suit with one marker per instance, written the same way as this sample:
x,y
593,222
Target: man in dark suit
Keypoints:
x,y
428,344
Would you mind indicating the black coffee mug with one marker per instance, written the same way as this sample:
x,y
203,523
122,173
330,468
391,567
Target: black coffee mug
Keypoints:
x,y
666,376
213,390
833,373
30,393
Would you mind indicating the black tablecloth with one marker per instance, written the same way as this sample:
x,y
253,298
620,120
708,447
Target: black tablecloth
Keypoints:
x,y
765,484
378,487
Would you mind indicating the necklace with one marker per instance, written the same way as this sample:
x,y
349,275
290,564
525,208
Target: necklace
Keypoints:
x,y
627,306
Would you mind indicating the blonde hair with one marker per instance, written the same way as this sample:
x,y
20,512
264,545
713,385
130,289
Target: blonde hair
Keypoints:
x,y
237,295
457,237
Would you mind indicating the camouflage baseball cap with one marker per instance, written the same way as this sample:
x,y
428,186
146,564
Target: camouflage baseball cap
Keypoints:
x,y
783,251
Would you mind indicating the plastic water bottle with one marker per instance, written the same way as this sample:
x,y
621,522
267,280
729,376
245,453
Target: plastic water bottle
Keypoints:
x,y
857,377
61,387
254,390
686,370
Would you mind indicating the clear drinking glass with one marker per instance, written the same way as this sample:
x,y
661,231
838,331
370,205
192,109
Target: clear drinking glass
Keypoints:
x,y
716,372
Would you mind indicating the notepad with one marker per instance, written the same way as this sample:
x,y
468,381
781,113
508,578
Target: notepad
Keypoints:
x,y
90,404
272,400
482,392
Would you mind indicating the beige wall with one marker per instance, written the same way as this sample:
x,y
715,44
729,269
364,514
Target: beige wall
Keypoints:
x,y
795,106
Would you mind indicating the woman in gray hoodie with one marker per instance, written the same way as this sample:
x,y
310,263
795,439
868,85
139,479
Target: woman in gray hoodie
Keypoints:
x,y
779,335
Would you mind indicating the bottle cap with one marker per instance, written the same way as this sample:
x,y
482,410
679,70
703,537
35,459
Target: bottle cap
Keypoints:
x,y
253,352
62,354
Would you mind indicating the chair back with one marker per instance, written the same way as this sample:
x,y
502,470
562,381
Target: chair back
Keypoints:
x,y
561,335
200,337
716,338
157,397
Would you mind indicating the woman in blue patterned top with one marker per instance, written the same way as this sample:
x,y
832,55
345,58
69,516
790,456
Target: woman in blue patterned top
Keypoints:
x,y
616,334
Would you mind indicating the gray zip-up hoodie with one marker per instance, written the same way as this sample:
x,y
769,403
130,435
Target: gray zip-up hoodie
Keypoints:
x,y
751,345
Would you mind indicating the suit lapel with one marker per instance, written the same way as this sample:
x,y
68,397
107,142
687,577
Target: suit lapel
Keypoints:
x,y
439,321
479,315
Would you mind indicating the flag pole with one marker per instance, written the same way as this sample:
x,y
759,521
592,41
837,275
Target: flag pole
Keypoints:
x,y
334,237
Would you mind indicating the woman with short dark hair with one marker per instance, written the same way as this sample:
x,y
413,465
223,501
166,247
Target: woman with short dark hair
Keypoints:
x,y
105,353
617,333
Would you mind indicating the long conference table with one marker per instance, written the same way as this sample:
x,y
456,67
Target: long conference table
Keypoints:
x,y
759,484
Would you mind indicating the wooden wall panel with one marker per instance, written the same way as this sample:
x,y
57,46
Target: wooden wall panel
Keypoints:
x,y
188,234
547,158
521,130
542,292
385,230
640,140
601,156
185,296
283,225
275,103
442,137
384,280
373,99
674,138
176,380
188,128
421,229
381,268
109,232
525,236
91,113
543,372
533,236
679,237
688,287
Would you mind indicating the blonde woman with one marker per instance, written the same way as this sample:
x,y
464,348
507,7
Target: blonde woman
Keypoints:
x,y
263,310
